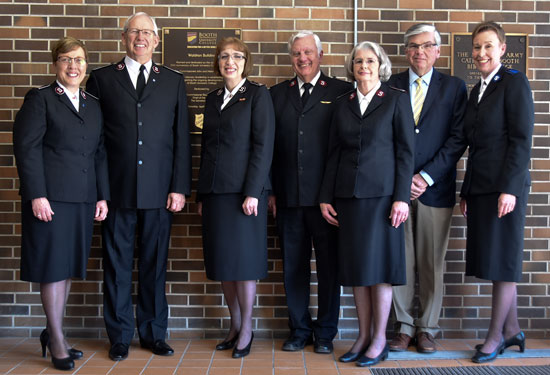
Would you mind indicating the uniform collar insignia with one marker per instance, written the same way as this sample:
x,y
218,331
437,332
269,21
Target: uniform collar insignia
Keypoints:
x,y
352,96
155,69
380,93
322,83
242,99
83,94
59,90
242,89
220,91
497,77
120,66
292,83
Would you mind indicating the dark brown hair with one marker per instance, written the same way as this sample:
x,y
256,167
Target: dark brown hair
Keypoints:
x,y
238,45
67,44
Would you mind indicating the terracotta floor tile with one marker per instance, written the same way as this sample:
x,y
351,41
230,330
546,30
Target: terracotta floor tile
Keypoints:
x,y
443,363
28,369
158,371
290,371
224,371
257,363
132,363
288,363
453,345
536,344
232,362
410,364
257,371
88,370
356,371
195,363
322,371
534,361
388,364
164,361
192,371
197,355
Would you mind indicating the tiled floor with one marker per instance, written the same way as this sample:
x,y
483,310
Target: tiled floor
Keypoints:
x,y
197,357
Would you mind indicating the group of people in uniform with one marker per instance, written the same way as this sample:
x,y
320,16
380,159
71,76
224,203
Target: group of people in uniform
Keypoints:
x,y
365,175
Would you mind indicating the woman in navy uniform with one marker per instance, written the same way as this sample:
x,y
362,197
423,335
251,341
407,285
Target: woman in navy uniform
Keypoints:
x,y
58,145
498,126
365,191
237,147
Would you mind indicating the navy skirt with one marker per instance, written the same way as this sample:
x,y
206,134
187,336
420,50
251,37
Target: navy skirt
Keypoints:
x,y
57,250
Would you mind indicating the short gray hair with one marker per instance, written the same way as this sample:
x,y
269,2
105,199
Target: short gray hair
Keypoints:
x,y
303,34
384,72
138,14
420,28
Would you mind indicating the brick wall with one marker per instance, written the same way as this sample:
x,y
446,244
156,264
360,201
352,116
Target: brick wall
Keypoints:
x,y
27,30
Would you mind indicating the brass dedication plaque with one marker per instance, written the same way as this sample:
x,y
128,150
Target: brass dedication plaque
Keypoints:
x,y
191,51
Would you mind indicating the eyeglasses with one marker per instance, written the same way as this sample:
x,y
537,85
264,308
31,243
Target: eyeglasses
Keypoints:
x,y
146,32
425,47
367,61
236,57
69,60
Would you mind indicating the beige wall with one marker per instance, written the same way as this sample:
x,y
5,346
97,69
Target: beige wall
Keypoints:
x,y
27,30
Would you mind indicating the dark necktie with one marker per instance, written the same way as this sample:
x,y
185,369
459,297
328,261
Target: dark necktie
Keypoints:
x,y
140,81
305,95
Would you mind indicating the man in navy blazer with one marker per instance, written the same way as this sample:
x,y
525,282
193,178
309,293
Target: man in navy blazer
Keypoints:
x,y
439,144
147,140
303,110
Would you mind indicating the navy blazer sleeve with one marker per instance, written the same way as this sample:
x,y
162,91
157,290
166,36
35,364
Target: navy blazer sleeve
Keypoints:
x,y
403,138
454,147
181,174
29,129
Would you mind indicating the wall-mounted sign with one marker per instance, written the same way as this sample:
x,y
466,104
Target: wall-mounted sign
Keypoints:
x,y
462,64
191,51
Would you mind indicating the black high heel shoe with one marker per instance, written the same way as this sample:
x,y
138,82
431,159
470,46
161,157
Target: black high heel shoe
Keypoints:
x,y
518,339
239,353
59,363
45,340
481,357
228,344
351,356
367,361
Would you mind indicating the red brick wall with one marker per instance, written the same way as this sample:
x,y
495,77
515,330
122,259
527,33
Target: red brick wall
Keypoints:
x,y
27,30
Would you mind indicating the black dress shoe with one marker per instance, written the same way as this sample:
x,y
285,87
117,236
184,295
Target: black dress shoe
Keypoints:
x,y
322,346
295,343
481,357
351,356
228,344
118,351
75,353
239,353
367,361
159,347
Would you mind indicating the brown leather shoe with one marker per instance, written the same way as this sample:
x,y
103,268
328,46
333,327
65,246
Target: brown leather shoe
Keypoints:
x,y
400,343
425,343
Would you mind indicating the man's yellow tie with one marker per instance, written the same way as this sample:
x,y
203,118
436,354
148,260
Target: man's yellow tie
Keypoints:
x,y
418,100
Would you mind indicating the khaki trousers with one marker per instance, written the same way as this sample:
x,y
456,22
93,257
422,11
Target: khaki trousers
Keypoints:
x,y
426,239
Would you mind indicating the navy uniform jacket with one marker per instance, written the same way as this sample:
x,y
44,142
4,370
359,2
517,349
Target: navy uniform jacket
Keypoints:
x,y
301,139
498,132
59,151
371,155
237,142
439,138
147,139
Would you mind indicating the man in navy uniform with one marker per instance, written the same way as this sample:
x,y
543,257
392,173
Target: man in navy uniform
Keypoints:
x,y
438,102
303,109
147,140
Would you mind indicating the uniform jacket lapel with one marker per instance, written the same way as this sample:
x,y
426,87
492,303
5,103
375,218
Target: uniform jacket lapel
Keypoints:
x,y
493,84
294,94
154,76
63,98
353,104
240,95
123,78
376,101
